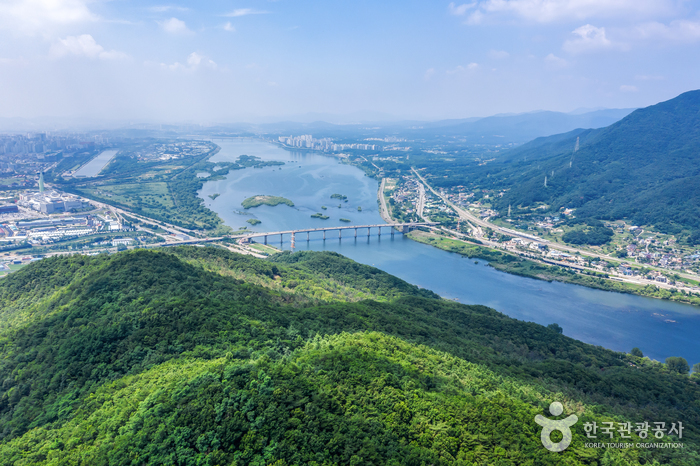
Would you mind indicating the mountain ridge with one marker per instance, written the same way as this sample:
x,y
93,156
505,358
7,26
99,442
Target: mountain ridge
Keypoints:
x,y
179,357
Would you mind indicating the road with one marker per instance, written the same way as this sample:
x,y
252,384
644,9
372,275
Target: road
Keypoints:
x,y
421,201
466,215
383,211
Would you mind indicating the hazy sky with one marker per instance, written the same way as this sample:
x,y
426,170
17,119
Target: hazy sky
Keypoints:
x,y
237,60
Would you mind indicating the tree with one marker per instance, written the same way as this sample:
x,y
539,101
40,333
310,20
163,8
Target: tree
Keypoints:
x,y
677,364
556,328
637,352
696,369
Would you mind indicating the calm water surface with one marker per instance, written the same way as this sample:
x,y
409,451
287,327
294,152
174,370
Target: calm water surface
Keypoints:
x,y
613,320
95,166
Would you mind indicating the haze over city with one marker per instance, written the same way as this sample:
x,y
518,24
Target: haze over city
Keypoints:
x,y
227,61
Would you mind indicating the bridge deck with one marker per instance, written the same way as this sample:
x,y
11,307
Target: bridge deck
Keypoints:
x,y
340,227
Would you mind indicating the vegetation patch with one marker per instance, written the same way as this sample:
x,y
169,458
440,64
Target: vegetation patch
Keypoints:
x,y
320,215
346,220
339,196
259,200
254,221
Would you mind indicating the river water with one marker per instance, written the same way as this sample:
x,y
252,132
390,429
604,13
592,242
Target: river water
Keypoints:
x,y
612,320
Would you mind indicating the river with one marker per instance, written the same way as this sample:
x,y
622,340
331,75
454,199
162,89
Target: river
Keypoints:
x,y
612,320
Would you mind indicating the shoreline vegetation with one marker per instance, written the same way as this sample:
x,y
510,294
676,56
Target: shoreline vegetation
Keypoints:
x,y
256,201
511,263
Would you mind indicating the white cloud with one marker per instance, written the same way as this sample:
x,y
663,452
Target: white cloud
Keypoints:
x,y
194,61
83,46
498,54
475,18
461,9
174,26
552,61
429,74
464,69
228,27
627,88
588,38
33,16
676,31
245,12
545,11
164,8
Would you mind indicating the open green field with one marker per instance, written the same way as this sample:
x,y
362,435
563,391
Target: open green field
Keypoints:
x,y
10,180
154,195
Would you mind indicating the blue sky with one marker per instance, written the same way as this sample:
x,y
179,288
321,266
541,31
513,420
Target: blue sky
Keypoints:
x,y
223,61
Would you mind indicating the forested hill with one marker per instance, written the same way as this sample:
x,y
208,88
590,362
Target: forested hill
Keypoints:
x,y
198,356
645,167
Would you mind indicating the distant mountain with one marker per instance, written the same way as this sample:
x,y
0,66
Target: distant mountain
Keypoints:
x,y
523,127
644,168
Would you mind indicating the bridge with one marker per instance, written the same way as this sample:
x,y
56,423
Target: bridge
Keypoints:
x,y
402,227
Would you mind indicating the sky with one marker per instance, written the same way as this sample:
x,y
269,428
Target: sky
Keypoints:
x,y
228,61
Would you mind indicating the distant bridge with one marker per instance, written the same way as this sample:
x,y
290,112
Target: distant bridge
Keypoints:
x,y
402,227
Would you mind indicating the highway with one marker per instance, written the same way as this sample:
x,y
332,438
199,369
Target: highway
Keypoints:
x,y
468,216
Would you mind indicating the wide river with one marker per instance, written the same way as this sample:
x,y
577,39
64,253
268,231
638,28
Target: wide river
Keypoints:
x,y
612,320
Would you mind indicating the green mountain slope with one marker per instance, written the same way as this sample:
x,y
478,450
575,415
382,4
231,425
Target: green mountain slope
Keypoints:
x,y
644,168
201,356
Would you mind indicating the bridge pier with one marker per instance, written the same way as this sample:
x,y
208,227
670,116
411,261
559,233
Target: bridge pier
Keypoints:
x,y
265,239
324,235
307,236
367,232
293,239
340,234
355,232
379,233
392,232
281,238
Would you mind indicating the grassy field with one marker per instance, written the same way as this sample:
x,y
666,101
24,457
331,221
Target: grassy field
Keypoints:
x,y
13,268
9,181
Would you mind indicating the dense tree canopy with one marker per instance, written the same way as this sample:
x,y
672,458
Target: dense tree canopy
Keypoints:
x,y
202,356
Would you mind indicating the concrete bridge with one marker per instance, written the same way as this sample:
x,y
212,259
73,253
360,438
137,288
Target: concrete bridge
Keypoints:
x,y
402,227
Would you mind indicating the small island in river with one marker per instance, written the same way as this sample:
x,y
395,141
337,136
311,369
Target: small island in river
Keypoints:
x,y
256,201
320,215
253,221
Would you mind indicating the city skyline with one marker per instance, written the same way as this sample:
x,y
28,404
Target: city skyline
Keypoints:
x,y
265,60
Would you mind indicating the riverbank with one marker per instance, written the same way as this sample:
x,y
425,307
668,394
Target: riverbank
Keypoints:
x,y
513,264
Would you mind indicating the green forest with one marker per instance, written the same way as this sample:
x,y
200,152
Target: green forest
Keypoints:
x,y
642,168
199,356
